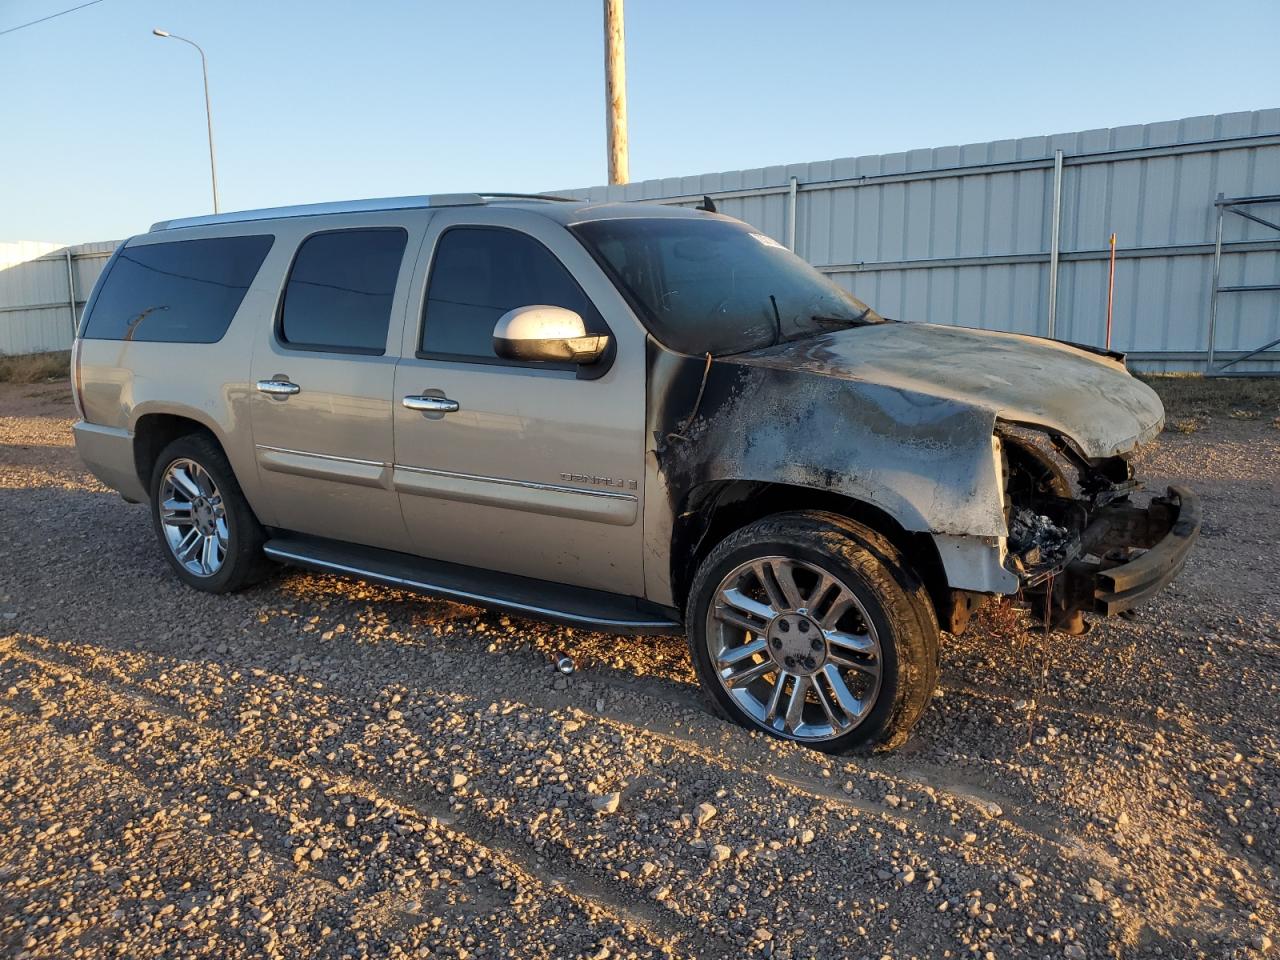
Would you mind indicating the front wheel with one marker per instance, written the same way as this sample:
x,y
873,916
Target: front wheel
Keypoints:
x,y
204,524
811,627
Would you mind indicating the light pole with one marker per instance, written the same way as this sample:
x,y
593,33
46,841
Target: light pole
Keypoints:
x,y
208,112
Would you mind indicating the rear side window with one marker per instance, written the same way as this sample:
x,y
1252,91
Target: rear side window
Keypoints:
x,y
185,291
339,294
478,274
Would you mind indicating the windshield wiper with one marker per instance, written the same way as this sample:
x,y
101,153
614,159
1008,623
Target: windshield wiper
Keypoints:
x,y
849,321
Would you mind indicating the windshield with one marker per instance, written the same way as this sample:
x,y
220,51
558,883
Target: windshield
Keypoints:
x,y
715,286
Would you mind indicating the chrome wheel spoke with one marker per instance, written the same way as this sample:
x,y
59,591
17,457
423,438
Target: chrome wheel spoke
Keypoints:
x,y
775,698
784,571
825,702
869,667
737,654
187,547
841,604
181,479
846,643
764,573
210,558
737,608
174,510
852,706
751,673
795,705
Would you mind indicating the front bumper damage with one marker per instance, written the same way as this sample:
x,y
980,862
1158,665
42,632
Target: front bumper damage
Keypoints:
x,y
1115,560
1106,577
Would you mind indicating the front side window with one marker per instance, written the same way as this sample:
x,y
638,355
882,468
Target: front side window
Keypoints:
x,y
706,285
477,275
338,298
183,291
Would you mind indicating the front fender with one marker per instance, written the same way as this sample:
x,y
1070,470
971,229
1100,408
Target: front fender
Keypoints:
x,y
930,463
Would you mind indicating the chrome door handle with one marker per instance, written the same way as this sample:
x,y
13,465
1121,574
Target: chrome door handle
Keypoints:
x,y
278,388
431,404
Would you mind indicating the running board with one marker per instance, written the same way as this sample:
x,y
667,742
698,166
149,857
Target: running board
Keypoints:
x,y
541,599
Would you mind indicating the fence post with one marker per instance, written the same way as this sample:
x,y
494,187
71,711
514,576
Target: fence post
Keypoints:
x,y
71,292
1213,294
1053,243
791,215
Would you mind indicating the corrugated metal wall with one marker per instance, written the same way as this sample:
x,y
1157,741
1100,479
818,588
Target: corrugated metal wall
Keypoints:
x,y
36,282
961,235
955,235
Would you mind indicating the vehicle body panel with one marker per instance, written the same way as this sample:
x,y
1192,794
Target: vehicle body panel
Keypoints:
x,y
539,473
325,454
1087,397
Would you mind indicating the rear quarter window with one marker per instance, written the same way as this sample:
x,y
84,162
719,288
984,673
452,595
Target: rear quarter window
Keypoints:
x,y
184,291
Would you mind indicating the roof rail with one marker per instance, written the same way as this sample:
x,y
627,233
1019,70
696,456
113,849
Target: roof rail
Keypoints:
x,y
351,206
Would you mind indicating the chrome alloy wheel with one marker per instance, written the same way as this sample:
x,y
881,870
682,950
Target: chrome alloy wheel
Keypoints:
x,y
193,517
794,648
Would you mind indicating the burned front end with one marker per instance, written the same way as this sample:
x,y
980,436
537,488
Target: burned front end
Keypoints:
x,y
1083,535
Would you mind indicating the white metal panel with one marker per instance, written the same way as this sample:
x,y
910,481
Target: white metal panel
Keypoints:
x,y
895,243
35,292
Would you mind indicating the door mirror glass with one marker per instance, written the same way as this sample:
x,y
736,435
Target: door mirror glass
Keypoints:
x,y
546,333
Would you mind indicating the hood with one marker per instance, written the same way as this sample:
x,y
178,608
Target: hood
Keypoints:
x,y
1089,398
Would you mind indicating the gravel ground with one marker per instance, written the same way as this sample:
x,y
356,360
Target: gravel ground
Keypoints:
x,y
318,767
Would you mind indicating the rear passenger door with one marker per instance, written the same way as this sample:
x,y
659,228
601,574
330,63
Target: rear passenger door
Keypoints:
x,y
540,470
322,377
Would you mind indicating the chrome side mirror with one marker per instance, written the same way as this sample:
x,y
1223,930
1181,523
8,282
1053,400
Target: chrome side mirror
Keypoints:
x,y
544,333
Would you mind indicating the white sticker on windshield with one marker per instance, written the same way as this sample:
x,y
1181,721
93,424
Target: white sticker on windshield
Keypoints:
x,y
768,241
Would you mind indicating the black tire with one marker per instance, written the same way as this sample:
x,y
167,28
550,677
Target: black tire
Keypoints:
x,y
895,608
243,562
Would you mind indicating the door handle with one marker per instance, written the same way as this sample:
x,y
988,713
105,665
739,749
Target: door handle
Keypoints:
x,y
278,387
431,404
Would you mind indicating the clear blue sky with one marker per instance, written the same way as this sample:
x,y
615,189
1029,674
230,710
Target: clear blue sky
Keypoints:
x,y
102,124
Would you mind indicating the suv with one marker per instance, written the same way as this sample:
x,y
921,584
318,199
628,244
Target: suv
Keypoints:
x,y
633,417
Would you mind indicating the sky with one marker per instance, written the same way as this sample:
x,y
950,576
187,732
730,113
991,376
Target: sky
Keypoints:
x,y
102,127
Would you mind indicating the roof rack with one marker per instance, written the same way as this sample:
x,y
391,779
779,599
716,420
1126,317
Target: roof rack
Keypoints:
x,y
354,206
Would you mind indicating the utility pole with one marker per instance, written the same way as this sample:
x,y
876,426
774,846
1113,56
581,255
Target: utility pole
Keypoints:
x,y
615,90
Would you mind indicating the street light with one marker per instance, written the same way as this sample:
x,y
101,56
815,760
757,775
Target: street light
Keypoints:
x,y
208,113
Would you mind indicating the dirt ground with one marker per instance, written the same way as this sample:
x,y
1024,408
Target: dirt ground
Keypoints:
x,y
320,768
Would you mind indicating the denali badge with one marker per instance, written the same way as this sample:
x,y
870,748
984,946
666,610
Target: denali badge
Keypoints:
x,y
599,481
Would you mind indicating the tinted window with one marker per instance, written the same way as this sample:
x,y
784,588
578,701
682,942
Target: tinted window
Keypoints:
x,y
479,273
340,290
185,291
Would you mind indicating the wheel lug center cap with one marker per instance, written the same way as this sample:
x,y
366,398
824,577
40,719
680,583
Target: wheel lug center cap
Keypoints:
x,y
795,643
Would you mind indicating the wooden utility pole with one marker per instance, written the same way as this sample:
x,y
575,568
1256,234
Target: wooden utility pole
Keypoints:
x,y
615,90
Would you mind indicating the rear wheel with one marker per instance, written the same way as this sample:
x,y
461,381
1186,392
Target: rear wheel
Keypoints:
x,y
205,526
812,628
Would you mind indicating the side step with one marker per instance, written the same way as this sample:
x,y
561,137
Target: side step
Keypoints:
x,y
525,596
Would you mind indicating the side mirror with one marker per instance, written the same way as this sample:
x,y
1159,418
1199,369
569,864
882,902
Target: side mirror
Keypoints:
x,y
546,333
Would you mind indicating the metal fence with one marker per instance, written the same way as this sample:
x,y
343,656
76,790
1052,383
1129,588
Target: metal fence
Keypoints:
x,y
1008,235
1013,235
43,287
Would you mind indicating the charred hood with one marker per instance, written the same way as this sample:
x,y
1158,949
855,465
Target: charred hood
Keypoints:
x,y
1087,397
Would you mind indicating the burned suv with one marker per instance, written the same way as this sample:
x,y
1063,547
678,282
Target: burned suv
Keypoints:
x,y
633,417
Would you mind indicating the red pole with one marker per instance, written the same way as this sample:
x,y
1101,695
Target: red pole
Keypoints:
x,y
1111,289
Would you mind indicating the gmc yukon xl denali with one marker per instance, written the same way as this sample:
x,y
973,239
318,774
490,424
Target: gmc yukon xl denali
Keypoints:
x,y
633,417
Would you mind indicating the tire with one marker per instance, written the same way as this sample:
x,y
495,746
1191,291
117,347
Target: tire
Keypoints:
x,y
785,601
215,508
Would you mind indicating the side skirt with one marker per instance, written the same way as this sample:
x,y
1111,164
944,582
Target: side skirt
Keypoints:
x,y
525,596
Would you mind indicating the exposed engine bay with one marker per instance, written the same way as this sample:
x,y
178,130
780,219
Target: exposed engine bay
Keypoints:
x,y
1079,539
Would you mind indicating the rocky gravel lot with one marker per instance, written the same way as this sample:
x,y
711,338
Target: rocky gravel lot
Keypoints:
x,y
320,768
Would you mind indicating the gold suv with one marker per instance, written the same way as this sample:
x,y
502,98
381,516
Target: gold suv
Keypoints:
x,y
633,417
